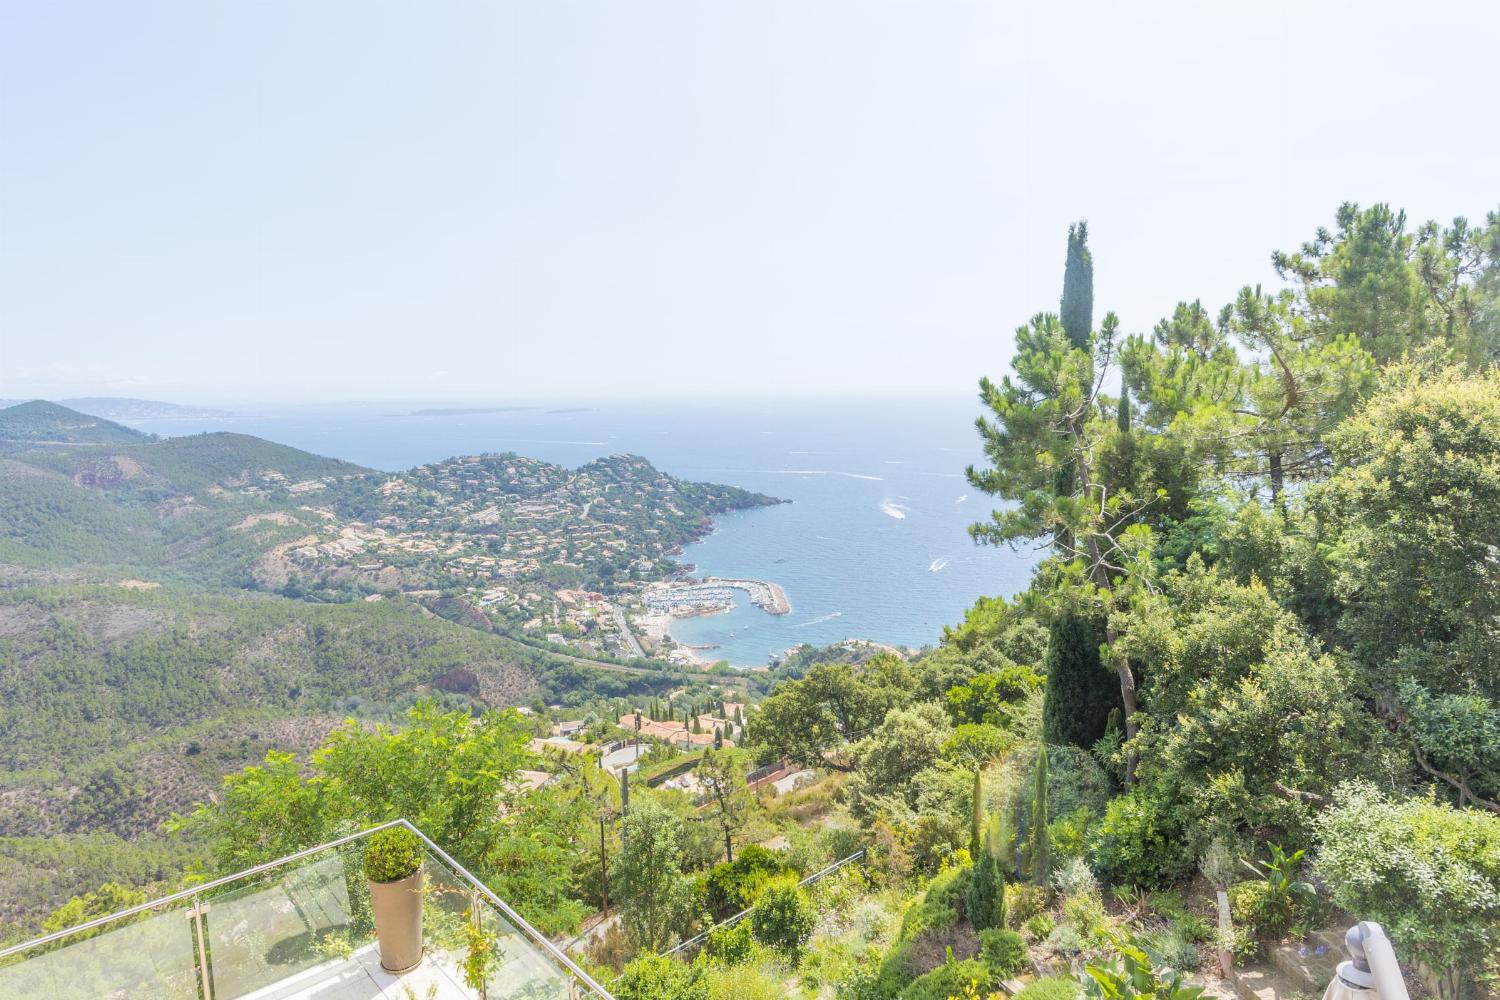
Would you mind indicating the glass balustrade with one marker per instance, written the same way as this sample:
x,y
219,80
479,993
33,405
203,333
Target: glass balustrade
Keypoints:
x,y
297,928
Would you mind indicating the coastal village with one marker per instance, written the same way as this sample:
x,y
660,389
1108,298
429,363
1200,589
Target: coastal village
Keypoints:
x,y
578,558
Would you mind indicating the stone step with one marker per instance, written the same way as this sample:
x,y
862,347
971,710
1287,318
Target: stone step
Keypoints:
x,y
1263,981
1310,964
1331,939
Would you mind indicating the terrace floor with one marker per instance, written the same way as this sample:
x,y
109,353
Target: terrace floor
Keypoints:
x,y
360,977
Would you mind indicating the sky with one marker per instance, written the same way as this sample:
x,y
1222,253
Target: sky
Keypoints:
x,y
313,200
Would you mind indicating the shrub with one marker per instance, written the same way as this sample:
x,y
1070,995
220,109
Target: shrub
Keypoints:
x,y
948,980
940,906
1069,835
1076,878
1022,902
730,945
985,899
1084,912
1134,844
1040,926
1065,940
1250,903
658,978
1135,975
1430,874
745,982
392,855
732,886
1004,952
1051,988
1169,949
784,917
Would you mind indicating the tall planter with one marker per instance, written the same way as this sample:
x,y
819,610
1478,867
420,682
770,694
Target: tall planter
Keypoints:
x,y
393,864
397,908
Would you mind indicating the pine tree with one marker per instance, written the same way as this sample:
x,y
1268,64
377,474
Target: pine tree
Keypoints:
x,y
1077,311
1038,851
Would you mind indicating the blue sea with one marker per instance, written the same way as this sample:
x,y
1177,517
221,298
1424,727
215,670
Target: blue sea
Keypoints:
x,y
872,546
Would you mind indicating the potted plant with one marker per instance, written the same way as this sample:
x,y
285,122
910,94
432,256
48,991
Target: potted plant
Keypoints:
x,y
393,864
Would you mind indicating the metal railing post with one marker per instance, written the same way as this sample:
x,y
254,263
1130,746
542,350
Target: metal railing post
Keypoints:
x,y
205,977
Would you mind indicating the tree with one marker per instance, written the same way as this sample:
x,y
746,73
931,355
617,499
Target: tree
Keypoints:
x,y
723,777
1428,873
1038,851
808,720
889,760
1047,427
783,917
1077,307
652,890
985,898
1081,691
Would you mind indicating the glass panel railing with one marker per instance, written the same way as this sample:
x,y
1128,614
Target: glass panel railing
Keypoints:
x,y
152,958
279,924
298,927
516,968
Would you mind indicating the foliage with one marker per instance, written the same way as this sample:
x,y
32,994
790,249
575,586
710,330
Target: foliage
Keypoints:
x,y
888,761
1134,977
111,897
783,917
479,959
1038,848
992,698
985,900
392,855
1051,988
1081,690
1428,873
731,887
950,979
654,977
804,719
1278,905
732,945
654,893
1135,843
1004,952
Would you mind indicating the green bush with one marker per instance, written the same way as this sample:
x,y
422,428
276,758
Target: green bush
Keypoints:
x,y
1065,940
1169,949
1134,844
1255,908
948,980
1084,912
942,904
658,978
1040,926
784,917
730,945
1023,901
1051,988
1004,952
1429,873
731,886
392,855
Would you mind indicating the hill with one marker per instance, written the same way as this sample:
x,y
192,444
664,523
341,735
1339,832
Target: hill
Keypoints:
x,y
39,423
120,408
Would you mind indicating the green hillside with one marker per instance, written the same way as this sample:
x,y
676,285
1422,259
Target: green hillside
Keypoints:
x,y
41,423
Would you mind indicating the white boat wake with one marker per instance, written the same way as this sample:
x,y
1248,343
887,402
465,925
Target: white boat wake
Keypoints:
x,y
962,498
819,621
937,565
895,510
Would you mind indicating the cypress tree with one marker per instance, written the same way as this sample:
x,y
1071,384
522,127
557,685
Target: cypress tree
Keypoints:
x,y
1122,417
985,898
1081,691
1038,851
1077,312
976,818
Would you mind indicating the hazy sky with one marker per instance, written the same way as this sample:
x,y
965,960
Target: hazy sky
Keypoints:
x,y
313,200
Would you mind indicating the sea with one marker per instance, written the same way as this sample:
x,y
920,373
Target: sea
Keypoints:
x,y
873,545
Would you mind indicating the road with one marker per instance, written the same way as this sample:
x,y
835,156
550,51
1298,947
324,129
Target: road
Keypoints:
x,y
630,640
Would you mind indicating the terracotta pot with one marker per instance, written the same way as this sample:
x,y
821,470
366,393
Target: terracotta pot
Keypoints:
x,y
397,908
